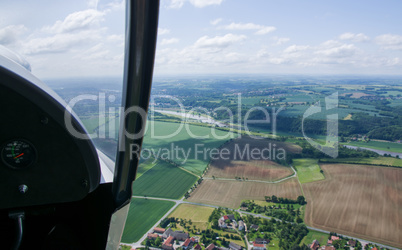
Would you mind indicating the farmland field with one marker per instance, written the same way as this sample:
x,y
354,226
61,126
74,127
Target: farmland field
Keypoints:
x,y
197,214
231,193
360,201
165,181
308,170
144,166
143,214
388,161
184,139
239,163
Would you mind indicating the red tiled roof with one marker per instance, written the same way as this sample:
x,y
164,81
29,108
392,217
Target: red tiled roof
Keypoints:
x,y
159,230
225,217
314,245
197,246
169,240
258,245
210,247
334,237
152,236
187,242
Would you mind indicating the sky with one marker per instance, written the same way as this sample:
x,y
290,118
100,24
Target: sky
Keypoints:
x,y
86,38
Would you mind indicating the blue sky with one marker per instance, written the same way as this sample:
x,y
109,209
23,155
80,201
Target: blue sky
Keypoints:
x,y
85,38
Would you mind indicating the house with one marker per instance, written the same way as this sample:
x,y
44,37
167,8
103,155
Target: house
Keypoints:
x,y
328,248
243,208
352,243
315,245
231,217
168,244
159,230
210,247
255,227
152,236
178,235
333,238
261,241
197,247
234,246
225,217
188,243
259,246
241,225
222,223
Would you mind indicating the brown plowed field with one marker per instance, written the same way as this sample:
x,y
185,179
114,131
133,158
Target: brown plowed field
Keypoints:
x,y
241,162
360,201
231,193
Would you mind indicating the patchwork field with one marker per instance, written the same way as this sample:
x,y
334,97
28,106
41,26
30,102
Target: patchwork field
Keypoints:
x,y
197,214
308,170
165,181
240,162
231,193
143,214
357,200
253,170
163,137
387,161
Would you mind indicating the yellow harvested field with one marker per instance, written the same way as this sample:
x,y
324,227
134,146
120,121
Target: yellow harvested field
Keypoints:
x,y
231,193
197,214
357,200
240,162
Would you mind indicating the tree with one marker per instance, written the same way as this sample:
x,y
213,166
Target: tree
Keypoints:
x,y
274,199
301,200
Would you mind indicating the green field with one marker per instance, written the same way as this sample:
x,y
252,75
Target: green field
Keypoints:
x,y
183,138
165,181
308,170
381,161
143,214
379,145
315,235
144,166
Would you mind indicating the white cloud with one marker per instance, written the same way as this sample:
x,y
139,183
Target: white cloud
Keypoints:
x,y
9,35
162,31
345,50
390,41
115,38
216,21
280,40
204,3
59,43
218,41
175,4
167,41
261,30
354,37
296,48
79,20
